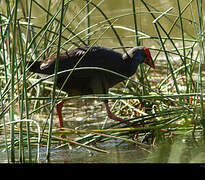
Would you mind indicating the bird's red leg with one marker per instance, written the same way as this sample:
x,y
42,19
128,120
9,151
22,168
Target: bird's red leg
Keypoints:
x,y
60,117
112,116
59,112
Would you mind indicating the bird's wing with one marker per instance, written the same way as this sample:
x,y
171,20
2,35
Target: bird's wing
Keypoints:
x,y
86,56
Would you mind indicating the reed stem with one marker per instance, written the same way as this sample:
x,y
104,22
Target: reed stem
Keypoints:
x,y
53,101
88,21
202,62
12,92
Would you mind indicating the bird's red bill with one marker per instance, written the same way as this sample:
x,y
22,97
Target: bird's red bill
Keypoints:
x,y
148,60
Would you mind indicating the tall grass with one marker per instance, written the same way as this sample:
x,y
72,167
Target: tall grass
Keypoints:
x,y
55,84
174,103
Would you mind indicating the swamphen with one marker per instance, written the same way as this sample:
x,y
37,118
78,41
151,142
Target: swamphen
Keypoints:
x,y
92,81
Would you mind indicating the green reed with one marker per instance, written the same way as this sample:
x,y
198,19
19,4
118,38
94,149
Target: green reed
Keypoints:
x,y
202,59
12,72
188,68
53,102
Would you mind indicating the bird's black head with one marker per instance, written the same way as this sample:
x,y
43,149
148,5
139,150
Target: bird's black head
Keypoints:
x,y
139,55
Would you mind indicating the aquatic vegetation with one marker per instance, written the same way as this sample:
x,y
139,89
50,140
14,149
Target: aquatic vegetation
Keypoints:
x,y
161,104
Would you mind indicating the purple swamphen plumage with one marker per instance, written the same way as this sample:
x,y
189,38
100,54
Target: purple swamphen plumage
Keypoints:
x,y
92,81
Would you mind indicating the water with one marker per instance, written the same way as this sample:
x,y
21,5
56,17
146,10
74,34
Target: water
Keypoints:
x,y
118,153
182,150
